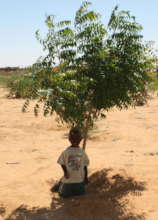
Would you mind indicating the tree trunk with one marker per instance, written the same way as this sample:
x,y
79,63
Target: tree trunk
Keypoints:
x,y
85,134
86,129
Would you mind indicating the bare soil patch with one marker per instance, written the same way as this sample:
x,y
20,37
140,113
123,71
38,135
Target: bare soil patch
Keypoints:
x,y
123,171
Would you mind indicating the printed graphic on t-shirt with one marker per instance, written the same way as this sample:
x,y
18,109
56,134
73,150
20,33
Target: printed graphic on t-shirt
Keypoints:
x,y
74,161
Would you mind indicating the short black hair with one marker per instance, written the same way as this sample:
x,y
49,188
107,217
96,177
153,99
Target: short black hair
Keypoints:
x,y
75,135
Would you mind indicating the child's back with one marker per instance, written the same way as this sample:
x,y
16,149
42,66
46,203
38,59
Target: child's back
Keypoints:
x,y
75,159
74,162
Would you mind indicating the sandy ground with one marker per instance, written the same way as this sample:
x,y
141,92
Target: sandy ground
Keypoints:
x,y
126,142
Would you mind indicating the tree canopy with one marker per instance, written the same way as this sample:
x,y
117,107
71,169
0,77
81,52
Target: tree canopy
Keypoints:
x,y
90,68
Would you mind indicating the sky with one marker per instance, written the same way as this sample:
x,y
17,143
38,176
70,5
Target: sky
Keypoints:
x,y
19,20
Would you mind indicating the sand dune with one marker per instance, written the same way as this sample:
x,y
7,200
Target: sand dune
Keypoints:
x,y
124,146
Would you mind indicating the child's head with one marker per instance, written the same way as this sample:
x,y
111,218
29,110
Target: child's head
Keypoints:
x,y
75,136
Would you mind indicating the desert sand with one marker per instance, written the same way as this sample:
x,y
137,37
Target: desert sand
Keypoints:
x,y
123,152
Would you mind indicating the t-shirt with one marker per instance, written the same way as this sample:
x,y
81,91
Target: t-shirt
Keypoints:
x,y
75,159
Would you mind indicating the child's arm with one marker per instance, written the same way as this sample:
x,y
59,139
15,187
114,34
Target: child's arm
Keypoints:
x,y
66,175
61,161
86,163
86,175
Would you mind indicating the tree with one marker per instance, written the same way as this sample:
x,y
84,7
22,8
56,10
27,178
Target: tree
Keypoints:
x,y
90,68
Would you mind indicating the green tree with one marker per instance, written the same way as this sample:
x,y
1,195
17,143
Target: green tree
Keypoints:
x,y
90,68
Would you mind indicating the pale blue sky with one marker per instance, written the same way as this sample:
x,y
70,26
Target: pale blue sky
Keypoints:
x,y
19,19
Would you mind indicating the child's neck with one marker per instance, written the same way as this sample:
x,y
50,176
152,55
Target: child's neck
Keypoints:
x,y
73,145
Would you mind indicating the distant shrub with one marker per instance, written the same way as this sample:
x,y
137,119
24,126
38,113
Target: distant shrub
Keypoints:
x,y
6,77
141,98
3,81
22,86
154,84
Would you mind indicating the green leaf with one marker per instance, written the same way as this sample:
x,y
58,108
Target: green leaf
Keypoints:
x,y
36,109
63,23
25,106
49,21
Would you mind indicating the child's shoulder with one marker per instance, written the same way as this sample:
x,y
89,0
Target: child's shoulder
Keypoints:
x,y
70,148
67,149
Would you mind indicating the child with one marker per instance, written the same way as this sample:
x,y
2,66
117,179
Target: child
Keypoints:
x,y
74,162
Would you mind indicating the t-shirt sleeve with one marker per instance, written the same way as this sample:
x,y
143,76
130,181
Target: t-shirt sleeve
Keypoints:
x,y
61,159
85,159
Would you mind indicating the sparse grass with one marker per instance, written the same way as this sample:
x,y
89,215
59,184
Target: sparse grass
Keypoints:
x,y
6,77
20,84
154,84
3,81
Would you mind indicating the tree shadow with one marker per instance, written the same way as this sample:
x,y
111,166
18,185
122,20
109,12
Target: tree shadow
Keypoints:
x,y
106,199
2,211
